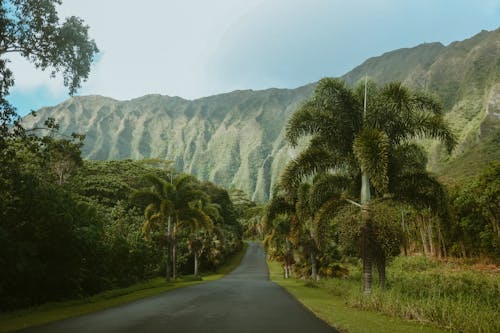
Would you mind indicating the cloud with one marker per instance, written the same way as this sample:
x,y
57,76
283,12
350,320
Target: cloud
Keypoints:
x,y
195,48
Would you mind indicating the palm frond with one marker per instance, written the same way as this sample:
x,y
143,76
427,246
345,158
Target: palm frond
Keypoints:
x,y
278,205
302,205
427,125
422,190
143,198
327,186
307,120
323,217
311,161
157,183
425,102
371,148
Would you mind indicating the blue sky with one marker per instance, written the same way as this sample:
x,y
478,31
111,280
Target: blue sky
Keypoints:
x,y
195,48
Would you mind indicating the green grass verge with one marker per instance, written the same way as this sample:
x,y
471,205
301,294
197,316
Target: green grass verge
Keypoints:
x,y
50,312
334,310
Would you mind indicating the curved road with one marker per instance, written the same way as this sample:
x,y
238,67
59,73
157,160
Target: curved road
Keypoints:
x,y
243,301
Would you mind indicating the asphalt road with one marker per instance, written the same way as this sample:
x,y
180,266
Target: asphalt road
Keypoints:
x,y
243,301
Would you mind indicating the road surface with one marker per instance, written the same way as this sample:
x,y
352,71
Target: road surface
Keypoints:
x,y
243,301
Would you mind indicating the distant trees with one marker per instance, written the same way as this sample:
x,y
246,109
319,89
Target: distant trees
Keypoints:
x,y
476,209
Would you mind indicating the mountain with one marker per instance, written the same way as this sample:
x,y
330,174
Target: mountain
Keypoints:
x,y
237,139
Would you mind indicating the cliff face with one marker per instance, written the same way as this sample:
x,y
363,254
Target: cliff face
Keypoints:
x,y
234,139
237,139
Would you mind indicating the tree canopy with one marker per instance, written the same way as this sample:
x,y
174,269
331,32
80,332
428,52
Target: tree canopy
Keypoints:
x,y
32,29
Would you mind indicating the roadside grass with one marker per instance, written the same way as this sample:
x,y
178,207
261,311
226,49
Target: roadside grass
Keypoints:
x,y
449,295
331,307
49,312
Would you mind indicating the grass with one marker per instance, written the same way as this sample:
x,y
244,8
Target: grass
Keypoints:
x,y
46,313
331,306
446,294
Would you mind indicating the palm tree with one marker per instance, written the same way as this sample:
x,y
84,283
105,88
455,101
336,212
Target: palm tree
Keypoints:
x,y
358,137
158,213
198,216
167,204
277,225
182,193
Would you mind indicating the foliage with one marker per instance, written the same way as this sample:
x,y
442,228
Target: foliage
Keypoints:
x,y
327,300
83,236
366,143
386,224
31,28
250,214
448,295
476,209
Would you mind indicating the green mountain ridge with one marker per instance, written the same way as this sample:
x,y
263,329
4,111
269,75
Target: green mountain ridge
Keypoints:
x,y
236,139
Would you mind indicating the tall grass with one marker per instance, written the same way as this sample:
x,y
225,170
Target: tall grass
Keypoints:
x,y
420,289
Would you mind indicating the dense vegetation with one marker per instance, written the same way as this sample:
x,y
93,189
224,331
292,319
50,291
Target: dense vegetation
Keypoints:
x,y
70,228
361,190
85,235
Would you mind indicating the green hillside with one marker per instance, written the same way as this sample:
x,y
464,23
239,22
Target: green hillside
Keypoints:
x,y
236,139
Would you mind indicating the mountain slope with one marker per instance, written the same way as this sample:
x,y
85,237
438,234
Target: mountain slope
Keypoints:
x,y
237,139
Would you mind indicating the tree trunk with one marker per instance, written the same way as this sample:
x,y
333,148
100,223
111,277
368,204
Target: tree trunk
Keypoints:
x,y
440,241
405,238
381,263
195,264
287,259
430,238
367,260
174,253
422,234
462,247
314,268
169,247
366,233
443,244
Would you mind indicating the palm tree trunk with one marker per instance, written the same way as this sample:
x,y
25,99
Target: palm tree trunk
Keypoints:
x,y
286,268
174,254
366,233
381,263
169,245
195,264
367,259
314,268
405,237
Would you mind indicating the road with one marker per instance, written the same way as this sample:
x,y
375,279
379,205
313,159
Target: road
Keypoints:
x,y
243,301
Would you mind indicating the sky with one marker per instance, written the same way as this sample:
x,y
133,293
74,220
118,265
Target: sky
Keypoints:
x,y
196,48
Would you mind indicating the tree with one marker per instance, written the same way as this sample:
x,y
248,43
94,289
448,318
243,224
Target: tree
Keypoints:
x,y
64,157
476,208
158,212
198,216
31,28
277,223
356,136
167,205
